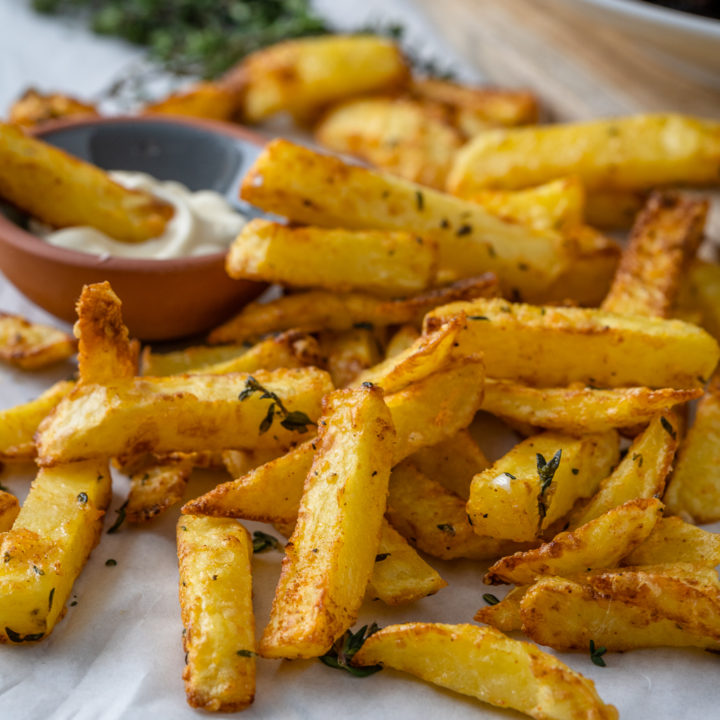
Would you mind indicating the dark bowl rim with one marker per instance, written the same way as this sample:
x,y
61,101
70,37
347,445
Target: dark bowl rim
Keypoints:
x,y
22,240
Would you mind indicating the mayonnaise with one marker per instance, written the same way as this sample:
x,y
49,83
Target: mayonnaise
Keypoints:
x,y
203,223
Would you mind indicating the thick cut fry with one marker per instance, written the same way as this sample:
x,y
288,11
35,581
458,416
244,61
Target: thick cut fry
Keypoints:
x,y
403,338
664,240
156,487
400,575
694,489
19,424
640,474
504,615
397,134
31,345
434,519
330,556
538,482
302,76
675,541
613,210
62,191
315,189
452,462
601,543
58,525
580,409
9,509
217,613
628,153
321,310
34,108
487,665
217,101
349,353
105,353
555,346
673,605
380,262
705,284
184,414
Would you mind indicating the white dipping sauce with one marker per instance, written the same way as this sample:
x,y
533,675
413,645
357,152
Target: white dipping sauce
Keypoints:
x,y
203,223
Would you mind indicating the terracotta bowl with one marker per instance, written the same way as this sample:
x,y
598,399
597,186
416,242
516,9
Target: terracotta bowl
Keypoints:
x,y
162,299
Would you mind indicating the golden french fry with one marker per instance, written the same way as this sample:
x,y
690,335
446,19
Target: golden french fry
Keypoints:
x,y
664,239
31,345
156,487
61,190
330,556
9,509
349,353
613,209
487,665
34,108
403,338
555,346
214,100
59,524
217,613
503,615
600,543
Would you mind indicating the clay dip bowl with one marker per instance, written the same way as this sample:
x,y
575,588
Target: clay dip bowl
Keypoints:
x,y
162,299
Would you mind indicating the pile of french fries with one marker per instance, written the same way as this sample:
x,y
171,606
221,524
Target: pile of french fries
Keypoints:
x,y
344,409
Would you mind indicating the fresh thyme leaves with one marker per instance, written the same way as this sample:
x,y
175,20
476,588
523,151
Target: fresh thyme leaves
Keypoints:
x,y
596,655
381,556
510,475
110,562
344,649
82,498
638,458
478,317
447,527
246,653
669,429
294,420
546,472
50,599
262,542
120,519
38,571
18,638
419,200
491,599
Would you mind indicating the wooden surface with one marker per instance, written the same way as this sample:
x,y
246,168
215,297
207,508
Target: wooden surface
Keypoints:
x,y
581,69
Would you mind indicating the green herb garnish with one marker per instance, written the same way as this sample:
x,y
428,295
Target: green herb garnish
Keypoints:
x,y
18,638
262,542
491,599
246,653
120,519
447,527
546,472
82,497
50,599
419,200
596,654
110,562
345,648
291,420
669,429
381,556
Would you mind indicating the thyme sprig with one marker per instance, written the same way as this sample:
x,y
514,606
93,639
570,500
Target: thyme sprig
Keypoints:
x,y
291,419
262,542
546,473
345,648
596,655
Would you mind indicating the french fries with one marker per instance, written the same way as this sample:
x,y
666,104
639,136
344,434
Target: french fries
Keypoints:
x,y
349,353
503,615
619,154
554,346
600,543
61,190
217,613
301,76
46,549
217,101
487,665
34,108
9,509
379,262
157,486
330,556
183,413
31,346
317,309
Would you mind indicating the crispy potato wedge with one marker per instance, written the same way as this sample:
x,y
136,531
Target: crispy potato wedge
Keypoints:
x,y
434,519
613,209
61,190
487,665
640,474
330,556
477,107
31,345
627,153
322,310
59,524
182,413
508,500
302,185
600,543
694,489
401,340
35,108
665,605
452,462
302,76
214,100
665,238
217,614
554,346
19,424
105,352
400,575
190,359
672,540
9,509
379,262
155,488
580,409
396,134
504,615
349,353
